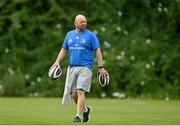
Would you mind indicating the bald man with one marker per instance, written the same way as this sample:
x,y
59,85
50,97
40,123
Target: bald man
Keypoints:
x,y
80,44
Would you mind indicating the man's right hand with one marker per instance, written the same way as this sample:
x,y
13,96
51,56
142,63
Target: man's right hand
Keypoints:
x,y
55,64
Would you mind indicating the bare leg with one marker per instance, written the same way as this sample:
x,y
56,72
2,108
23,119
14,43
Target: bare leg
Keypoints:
x,y
74,96
80,101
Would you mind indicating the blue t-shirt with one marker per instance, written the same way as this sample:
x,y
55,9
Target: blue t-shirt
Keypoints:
x,y
81,46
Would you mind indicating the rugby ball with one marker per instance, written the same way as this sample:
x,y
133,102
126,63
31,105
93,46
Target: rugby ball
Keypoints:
x,y
55,72
103,79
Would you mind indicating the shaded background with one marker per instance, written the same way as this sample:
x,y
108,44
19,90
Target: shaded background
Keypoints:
x,y
140,42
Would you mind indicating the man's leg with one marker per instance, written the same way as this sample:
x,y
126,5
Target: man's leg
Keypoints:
x,y
77,118
74,97
80,101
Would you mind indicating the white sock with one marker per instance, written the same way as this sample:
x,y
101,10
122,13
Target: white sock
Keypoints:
x,y
85,109
78,115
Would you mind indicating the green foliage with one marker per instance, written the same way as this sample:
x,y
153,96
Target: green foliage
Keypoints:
x,y
139,41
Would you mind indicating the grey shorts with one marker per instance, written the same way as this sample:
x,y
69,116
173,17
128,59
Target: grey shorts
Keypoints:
x,y
79,78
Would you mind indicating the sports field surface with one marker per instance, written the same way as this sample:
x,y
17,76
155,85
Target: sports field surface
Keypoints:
x,y
50,111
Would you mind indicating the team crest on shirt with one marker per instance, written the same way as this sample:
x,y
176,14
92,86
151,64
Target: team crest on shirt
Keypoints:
x,y
83,41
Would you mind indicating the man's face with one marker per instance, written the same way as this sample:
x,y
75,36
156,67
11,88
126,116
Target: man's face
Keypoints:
x,y
81,23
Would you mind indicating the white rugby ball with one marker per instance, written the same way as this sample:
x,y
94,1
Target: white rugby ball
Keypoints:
x,y
103,79
55,72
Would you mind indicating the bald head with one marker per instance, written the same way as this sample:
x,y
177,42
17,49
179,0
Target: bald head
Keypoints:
x,y
80,17
80,23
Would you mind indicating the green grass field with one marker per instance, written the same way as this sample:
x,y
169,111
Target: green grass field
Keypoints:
x,y
44,111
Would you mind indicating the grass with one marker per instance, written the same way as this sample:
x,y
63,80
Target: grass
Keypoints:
x,y
50,111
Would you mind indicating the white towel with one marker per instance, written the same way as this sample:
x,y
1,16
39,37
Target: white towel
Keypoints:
x,y
67,91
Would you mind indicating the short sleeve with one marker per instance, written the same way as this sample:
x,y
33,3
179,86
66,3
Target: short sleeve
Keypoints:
x,y
95,42
65,43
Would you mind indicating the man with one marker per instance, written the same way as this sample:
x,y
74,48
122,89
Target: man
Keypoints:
x,y
80,44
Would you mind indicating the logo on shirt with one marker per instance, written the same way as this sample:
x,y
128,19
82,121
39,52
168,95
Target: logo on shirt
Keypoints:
x,y
83,41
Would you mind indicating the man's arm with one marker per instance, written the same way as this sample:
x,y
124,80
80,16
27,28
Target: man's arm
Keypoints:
x,y
100,61
60,56
99,57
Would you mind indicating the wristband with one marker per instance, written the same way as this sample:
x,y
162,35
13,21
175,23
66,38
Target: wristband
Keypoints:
x,y
100,67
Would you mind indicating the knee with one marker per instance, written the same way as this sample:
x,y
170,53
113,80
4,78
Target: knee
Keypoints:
x,y
81,93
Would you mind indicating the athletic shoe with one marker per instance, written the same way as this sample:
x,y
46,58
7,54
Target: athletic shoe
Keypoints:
x,y
86,115
76,119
